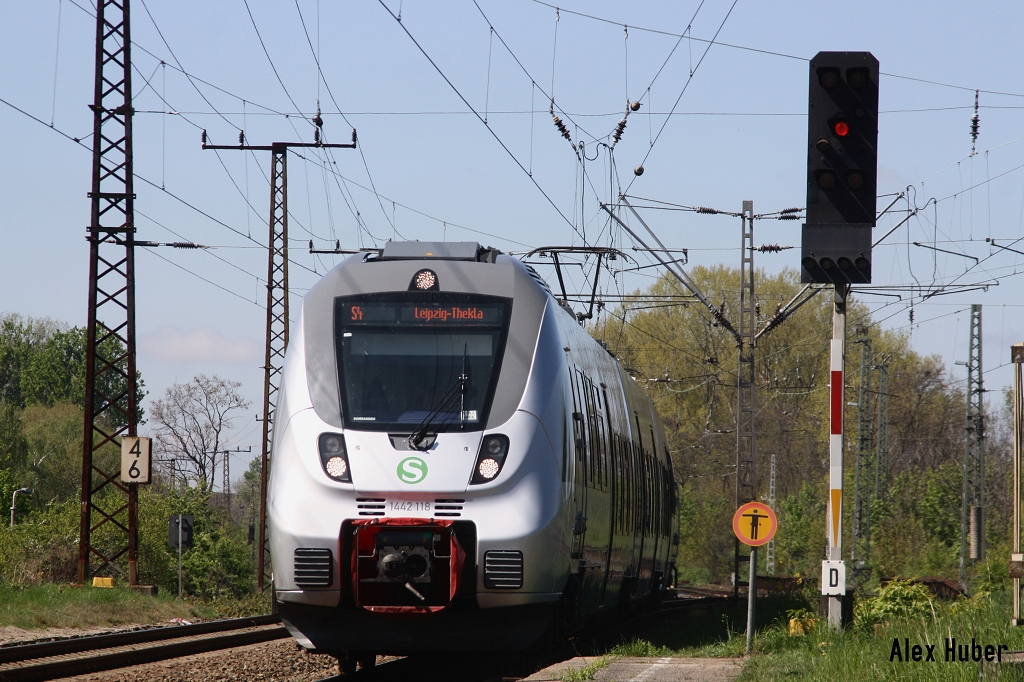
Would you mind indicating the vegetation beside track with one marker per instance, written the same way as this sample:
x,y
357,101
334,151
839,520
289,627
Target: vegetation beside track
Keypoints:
x,y
862,652
41,607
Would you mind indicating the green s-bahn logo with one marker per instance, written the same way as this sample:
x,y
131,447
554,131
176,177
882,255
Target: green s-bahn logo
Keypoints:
x,y
412,470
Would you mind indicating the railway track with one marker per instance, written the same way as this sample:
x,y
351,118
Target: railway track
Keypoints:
x,y
487,668
80,655
91,654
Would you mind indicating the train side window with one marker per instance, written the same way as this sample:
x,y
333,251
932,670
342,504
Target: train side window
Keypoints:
x,y
586,426
602,399
658,498
649,497
565,447
619,482
635,489
595,434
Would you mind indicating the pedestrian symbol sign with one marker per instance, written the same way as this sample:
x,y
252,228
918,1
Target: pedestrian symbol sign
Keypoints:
x,y
754,524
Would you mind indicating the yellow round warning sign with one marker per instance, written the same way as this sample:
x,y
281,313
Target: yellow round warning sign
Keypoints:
x,y
754,524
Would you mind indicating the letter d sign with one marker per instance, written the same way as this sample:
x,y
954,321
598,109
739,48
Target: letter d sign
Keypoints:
x,y
833,577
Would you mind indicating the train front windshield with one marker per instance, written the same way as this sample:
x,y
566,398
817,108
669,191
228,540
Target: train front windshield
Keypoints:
x,y
404,356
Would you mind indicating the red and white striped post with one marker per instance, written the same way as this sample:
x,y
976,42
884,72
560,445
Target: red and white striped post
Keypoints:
x,y
833,570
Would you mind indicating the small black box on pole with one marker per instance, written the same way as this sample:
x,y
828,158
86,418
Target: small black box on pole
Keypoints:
x,y
842,168
186,531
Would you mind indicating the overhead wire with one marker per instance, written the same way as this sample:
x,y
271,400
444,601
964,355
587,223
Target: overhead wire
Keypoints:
x,y
153,184
616,22
683,91
477,114
330,93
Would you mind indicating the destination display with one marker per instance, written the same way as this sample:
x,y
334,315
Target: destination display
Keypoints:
x,y
353,313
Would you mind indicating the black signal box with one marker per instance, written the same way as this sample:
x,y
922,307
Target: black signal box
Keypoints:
x,y
842,168
185,531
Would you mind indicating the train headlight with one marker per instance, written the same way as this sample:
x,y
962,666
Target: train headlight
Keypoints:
x,y
493,450
337,467
333,456
488,468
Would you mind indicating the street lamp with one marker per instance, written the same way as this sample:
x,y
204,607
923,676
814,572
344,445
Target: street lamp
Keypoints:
x,y
14,497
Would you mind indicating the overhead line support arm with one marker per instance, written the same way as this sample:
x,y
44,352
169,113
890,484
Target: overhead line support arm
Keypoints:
x,y
680,275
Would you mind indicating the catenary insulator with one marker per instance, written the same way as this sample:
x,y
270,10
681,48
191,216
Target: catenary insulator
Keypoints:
x,y
561,128
617,135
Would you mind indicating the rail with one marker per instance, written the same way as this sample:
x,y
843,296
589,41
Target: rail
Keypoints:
x,y
79,655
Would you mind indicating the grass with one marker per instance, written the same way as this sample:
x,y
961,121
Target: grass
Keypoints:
x,y
587,672
714,631
64,606
861,652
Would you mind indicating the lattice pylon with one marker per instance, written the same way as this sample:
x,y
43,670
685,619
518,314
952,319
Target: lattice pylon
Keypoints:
x,y
277,336
882,431
972,525
111,409
746,479
862,478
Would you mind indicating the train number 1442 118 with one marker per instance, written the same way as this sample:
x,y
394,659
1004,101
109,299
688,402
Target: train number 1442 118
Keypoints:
x,y
407,506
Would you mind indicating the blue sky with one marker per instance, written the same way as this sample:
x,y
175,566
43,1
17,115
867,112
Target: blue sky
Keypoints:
x,y
738,132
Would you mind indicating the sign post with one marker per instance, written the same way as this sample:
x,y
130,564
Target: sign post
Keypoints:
x,y
136,459
754,524
1017,557
837,382
179,534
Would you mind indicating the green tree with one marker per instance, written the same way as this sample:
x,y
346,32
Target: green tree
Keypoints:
x,y
42,362
658,339
53,437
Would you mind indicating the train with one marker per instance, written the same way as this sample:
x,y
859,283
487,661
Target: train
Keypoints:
x,y
457,464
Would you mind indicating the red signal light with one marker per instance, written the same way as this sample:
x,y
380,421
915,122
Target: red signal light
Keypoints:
x,y
841,128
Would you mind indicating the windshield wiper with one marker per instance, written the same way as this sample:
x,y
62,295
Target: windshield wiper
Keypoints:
x,y
419,434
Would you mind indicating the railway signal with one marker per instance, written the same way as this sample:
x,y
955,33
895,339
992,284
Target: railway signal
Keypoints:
x,y
842,162
179,536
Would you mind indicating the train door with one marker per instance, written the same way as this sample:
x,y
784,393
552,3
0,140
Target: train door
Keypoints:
x,y
656,500
596,538
579,472
602,534
643,511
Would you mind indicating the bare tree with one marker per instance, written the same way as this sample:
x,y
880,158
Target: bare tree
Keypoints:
x,y
191,420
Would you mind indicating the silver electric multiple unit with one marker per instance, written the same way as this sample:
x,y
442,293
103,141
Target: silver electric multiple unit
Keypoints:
x,y
457,464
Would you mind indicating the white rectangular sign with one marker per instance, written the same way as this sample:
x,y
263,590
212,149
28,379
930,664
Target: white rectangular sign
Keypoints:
x,y
833,577
136,458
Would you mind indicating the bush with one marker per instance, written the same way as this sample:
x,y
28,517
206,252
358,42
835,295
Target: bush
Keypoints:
x,y
43,546
899,599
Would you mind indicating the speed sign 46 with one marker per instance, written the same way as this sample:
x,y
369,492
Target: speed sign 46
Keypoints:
x,y
136,458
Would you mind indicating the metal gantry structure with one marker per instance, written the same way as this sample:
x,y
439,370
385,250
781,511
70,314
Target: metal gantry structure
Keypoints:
x,y
882,433
277,311
111,409
972,517
860,548
1016,556
769,557
746,447
277,335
